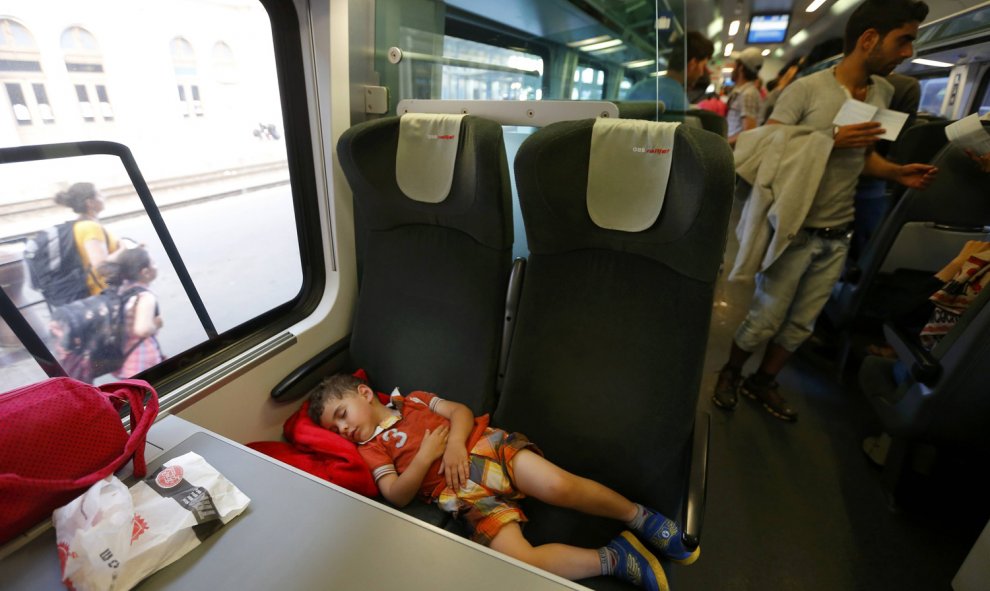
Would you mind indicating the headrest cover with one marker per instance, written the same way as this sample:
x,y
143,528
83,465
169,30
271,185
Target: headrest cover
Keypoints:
x,y
424,159
628,172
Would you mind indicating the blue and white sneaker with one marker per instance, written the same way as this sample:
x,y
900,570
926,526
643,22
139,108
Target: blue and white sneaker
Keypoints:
x,y
636,564
664,536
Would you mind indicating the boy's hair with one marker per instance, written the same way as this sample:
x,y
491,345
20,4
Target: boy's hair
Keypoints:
x,y
334,387
882,15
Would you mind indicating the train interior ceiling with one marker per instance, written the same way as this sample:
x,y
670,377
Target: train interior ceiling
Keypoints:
x,y
210,137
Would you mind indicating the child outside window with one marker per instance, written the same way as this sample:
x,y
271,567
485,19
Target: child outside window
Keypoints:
x,y
133,271
438,450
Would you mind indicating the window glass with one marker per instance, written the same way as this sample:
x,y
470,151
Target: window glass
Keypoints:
x,y
589,83
491,73
984,106
223,193
977,20
932,94
18,103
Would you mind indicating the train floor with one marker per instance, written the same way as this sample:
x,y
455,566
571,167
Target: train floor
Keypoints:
x,y
800,505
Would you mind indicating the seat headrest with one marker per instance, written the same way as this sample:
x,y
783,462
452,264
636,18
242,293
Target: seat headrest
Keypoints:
x,y
552,177
628,171
424,159
479,199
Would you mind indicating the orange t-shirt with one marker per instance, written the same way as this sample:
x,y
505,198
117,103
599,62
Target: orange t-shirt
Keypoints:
x,y
392,450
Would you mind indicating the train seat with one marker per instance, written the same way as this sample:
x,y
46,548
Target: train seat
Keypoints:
x,y
432,274
942,400
606,357
918,143
922,233
699,118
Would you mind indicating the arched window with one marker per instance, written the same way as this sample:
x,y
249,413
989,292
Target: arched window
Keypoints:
x,y
224,64
186,77
23,79
84,62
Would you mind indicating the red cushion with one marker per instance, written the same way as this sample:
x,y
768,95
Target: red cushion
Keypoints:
x,y
320,452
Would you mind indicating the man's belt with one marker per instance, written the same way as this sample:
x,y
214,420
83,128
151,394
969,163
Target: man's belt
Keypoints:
x,y
831,233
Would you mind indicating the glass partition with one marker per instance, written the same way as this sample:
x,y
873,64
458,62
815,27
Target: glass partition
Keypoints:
x,y
525,50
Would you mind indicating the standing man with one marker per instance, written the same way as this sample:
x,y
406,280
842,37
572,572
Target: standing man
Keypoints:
x,y
745,100
792,290
681,74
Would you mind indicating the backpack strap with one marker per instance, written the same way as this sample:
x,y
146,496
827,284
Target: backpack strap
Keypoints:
x,y
132,291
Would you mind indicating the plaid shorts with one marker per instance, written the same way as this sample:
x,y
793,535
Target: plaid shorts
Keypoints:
x,y
487,500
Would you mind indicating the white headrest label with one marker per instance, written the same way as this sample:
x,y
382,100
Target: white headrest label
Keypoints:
x,y
628,172
424,160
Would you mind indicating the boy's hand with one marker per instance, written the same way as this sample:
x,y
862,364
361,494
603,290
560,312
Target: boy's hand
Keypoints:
x,y
434,444
456,466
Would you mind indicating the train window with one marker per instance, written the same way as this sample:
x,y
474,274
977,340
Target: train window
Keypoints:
x,y
984,106
976,20
589,83
932,94
624,87
480,71
222,227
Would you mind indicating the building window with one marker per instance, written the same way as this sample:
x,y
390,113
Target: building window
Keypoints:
x,y
184,65
23,79
84,63
224,64
18,103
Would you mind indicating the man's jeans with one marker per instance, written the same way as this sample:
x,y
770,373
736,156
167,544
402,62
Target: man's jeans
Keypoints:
x,y
792,292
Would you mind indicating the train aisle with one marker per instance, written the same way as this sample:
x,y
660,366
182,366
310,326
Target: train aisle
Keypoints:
x,y
799,505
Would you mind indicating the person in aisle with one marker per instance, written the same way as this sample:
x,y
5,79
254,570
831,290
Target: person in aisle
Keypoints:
x,y
799,270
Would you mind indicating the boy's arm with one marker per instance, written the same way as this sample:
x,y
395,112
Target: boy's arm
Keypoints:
x,y
401,490
455,466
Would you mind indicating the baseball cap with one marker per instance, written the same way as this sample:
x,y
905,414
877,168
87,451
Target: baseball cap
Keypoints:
x,y
752,58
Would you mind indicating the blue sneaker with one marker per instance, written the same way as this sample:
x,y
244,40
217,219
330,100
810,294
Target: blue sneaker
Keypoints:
x,y
636,564
664,535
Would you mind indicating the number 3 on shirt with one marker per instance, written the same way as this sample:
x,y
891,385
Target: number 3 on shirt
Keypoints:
x,y
398,435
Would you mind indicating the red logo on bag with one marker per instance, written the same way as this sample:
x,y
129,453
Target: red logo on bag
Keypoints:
x,y
139,527
63,556
169,477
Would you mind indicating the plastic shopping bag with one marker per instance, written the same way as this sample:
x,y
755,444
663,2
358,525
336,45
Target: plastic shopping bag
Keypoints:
x,y
112,538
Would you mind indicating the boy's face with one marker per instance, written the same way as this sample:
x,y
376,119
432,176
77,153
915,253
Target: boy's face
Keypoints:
x,y
352,416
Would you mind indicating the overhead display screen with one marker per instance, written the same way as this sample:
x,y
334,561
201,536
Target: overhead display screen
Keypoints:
x,y
768,28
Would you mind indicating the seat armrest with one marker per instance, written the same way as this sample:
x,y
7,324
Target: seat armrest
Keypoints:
x,y
925,368
694,500
509,320
306,376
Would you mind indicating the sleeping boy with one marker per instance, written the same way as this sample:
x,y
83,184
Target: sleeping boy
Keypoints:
x,y
422,445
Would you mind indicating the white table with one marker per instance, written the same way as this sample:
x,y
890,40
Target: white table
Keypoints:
x,y
299,532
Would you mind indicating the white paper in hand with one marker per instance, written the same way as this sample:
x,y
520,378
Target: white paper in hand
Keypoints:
x,y
853,111
968,133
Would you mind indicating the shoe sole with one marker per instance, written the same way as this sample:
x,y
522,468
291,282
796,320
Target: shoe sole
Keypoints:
x,y
722,405
751,396
690,559
658,573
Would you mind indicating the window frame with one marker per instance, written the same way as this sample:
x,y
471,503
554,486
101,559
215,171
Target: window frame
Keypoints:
x,y
219,348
